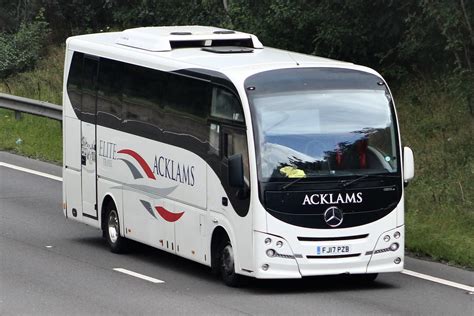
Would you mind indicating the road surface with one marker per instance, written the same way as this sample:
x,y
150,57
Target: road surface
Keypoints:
x,y
50,265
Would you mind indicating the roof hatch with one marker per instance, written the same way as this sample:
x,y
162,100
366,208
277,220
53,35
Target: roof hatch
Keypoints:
x,y
166,38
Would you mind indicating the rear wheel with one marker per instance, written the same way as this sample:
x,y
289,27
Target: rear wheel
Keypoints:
x,y
116,242
227,266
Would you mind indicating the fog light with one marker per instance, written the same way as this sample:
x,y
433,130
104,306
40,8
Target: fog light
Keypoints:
x,y
386,238
396,235
268,241
397,260
270,252
279,244
394,246
265,267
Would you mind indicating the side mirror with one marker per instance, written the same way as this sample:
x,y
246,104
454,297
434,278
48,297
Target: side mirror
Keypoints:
x,y
408,164
236,171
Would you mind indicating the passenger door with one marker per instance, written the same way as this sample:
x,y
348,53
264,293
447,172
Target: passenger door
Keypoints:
x,y
88,137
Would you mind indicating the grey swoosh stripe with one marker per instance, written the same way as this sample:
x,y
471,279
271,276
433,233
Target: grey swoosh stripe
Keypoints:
x,y
136,174
148,189
148,207
162,192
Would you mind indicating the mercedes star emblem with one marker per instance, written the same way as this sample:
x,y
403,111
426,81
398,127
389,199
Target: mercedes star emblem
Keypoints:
x,y
333,216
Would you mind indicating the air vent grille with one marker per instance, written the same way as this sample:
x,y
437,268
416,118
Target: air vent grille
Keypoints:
x,y
228,49
181,33
245,43
333,238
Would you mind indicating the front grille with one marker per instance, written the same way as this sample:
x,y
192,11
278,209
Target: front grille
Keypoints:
x,y
333,238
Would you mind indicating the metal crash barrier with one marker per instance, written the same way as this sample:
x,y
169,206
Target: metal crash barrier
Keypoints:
x,y
30,106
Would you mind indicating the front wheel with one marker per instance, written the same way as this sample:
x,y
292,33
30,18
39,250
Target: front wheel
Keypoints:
x,y
227,267
116,242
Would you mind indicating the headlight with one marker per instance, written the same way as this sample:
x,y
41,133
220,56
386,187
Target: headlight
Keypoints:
x,y
394,246
271,252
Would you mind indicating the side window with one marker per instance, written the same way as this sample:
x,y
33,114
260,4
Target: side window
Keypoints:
x,y
186,106
226,105
214,139
140,93
74,81
89,85
157,85
188,96
109,90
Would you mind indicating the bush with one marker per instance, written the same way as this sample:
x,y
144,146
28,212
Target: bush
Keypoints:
x,y
21,50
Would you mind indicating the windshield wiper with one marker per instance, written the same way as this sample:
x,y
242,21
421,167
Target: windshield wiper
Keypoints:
x,y
345,184
289,184
348,183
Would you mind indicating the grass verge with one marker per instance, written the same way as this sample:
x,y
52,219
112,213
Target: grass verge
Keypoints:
x,y
435,123
33,136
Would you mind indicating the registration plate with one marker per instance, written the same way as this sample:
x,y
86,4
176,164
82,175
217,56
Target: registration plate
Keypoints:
x,y
332,250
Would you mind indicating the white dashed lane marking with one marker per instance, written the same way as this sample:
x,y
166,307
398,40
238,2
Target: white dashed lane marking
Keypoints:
x,y
439,280
138,275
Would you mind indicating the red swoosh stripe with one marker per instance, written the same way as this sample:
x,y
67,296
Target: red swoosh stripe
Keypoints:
x,y
140,161
167,215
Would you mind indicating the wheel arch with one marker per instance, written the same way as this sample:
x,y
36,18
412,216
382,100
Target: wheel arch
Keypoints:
x,y
107,199
219,236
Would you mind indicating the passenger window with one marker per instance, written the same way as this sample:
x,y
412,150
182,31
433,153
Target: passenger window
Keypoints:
x,y
226,105
89,85
188,97
74,81
214,131
186,104
140,95
109,91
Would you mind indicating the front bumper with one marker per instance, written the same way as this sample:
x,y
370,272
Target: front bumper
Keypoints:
x,y
295,259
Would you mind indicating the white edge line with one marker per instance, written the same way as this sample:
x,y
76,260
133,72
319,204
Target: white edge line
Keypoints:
x,y
438,280
138,275
38,173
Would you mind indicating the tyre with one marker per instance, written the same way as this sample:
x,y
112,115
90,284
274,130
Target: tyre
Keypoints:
x,y
227,266
116,242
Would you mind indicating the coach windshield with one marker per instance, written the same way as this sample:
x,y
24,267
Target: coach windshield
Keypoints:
x,y
314,123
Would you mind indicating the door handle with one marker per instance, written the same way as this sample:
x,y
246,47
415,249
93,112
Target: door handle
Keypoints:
x,y
83,160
